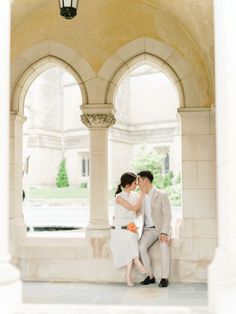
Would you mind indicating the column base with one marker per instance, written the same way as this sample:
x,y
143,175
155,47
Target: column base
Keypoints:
x,y
92,233
18,228
18,232
10,286
98,229
222,282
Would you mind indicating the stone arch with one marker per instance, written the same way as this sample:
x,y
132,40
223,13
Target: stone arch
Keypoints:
x,y
32,72
24,70
41,57
150,51
159,55
130,65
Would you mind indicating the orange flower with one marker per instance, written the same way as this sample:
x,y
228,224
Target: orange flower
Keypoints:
x,y
132,227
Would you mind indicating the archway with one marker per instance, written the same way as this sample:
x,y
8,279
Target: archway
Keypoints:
x,y
196,157
17,120
147,131
198,150
32,72
137,61
55,154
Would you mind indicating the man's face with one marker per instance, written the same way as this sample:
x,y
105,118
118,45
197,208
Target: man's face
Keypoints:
x,y
142,182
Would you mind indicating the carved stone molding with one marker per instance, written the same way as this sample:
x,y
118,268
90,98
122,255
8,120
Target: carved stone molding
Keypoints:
x,y
18,117
98,120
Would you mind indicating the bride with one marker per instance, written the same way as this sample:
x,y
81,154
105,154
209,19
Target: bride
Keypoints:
x,y
124,239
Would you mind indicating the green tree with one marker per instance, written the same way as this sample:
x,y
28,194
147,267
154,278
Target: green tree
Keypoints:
x,y
62,178
149,159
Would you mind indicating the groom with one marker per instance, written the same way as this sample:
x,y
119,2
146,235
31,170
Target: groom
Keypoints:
x,y
156,212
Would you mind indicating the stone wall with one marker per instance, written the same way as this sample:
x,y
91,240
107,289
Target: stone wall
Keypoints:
x,y
81,259
198,234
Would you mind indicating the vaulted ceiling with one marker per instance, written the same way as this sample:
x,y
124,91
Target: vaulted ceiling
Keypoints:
x,y
102,26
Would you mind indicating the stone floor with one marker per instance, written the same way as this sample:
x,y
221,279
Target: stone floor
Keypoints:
x,y
107,309
176,294
85,298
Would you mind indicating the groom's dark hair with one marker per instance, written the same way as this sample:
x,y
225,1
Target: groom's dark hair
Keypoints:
x,y
146,174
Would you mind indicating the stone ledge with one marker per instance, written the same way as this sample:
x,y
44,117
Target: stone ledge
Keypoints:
x,y
70,247
90,260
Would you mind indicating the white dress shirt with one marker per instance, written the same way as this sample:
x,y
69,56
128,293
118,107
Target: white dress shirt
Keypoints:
x,y
148,208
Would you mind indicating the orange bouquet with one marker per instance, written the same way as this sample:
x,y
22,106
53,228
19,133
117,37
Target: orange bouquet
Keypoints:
x,y
132,227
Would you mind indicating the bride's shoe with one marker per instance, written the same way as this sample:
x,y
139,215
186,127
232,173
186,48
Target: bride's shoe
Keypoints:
x,y
129,281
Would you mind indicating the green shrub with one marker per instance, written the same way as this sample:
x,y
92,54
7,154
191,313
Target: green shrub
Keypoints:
x,y
62,178
149,159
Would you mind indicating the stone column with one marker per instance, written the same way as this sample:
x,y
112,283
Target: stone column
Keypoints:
x,y
17,225
198,227
10,286
98,124
222,271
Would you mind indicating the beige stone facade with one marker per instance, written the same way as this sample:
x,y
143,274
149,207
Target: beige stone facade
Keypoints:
x,y
98,73
99,87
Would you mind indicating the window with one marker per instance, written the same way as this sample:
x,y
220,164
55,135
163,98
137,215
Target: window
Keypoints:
x,y
164,152
85,165
167,163
26,165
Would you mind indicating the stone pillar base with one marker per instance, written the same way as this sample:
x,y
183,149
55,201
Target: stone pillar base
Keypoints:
x,y
18,232
98,225
222,283
98,229
105,233
18,228
10,287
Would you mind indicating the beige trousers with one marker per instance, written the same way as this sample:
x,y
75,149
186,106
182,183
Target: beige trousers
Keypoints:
x,y
149,237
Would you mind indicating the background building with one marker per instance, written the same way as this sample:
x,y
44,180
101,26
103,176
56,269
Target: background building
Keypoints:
x,y
146,104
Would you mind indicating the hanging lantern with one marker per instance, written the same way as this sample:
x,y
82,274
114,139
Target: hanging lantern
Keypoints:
x,y
68,8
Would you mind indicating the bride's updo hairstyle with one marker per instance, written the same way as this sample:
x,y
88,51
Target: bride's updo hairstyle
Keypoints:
x,y
126,179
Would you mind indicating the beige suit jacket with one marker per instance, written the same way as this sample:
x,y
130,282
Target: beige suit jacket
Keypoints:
x,y
161,212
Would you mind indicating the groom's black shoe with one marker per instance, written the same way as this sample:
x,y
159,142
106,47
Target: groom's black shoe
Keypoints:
x,y
148,280
163,283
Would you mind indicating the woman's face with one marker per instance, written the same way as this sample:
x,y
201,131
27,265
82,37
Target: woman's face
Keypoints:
x,y
133,186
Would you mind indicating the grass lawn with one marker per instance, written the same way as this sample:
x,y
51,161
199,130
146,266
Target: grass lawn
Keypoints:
x,y
60,193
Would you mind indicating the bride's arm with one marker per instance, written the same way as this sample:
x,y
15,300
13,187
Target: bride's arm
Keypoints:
x,y
135,207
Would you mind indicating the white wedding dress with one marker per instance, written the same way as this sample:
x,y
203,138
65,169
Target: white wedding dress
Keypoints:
x,y
124,243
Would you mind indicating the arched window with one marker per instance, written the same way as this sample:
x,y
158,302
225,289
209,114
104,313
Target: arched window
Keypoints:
x,y
146,135
54,141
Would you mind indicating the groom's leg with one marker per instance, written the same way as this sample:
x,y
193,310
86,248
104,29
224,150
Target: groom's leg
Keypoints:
x,y
165,259
149,236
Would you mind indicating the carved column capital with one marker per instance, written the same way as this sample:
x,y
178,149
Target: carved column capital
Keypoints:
x,y
98,120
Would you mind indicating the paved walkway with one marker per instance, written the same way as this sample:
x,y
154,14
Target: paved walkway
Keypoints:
x,y
191,295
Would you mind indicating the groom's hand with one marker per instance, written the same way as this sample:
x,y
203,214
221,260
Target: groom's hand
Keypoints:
x,y
164,238
142,187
